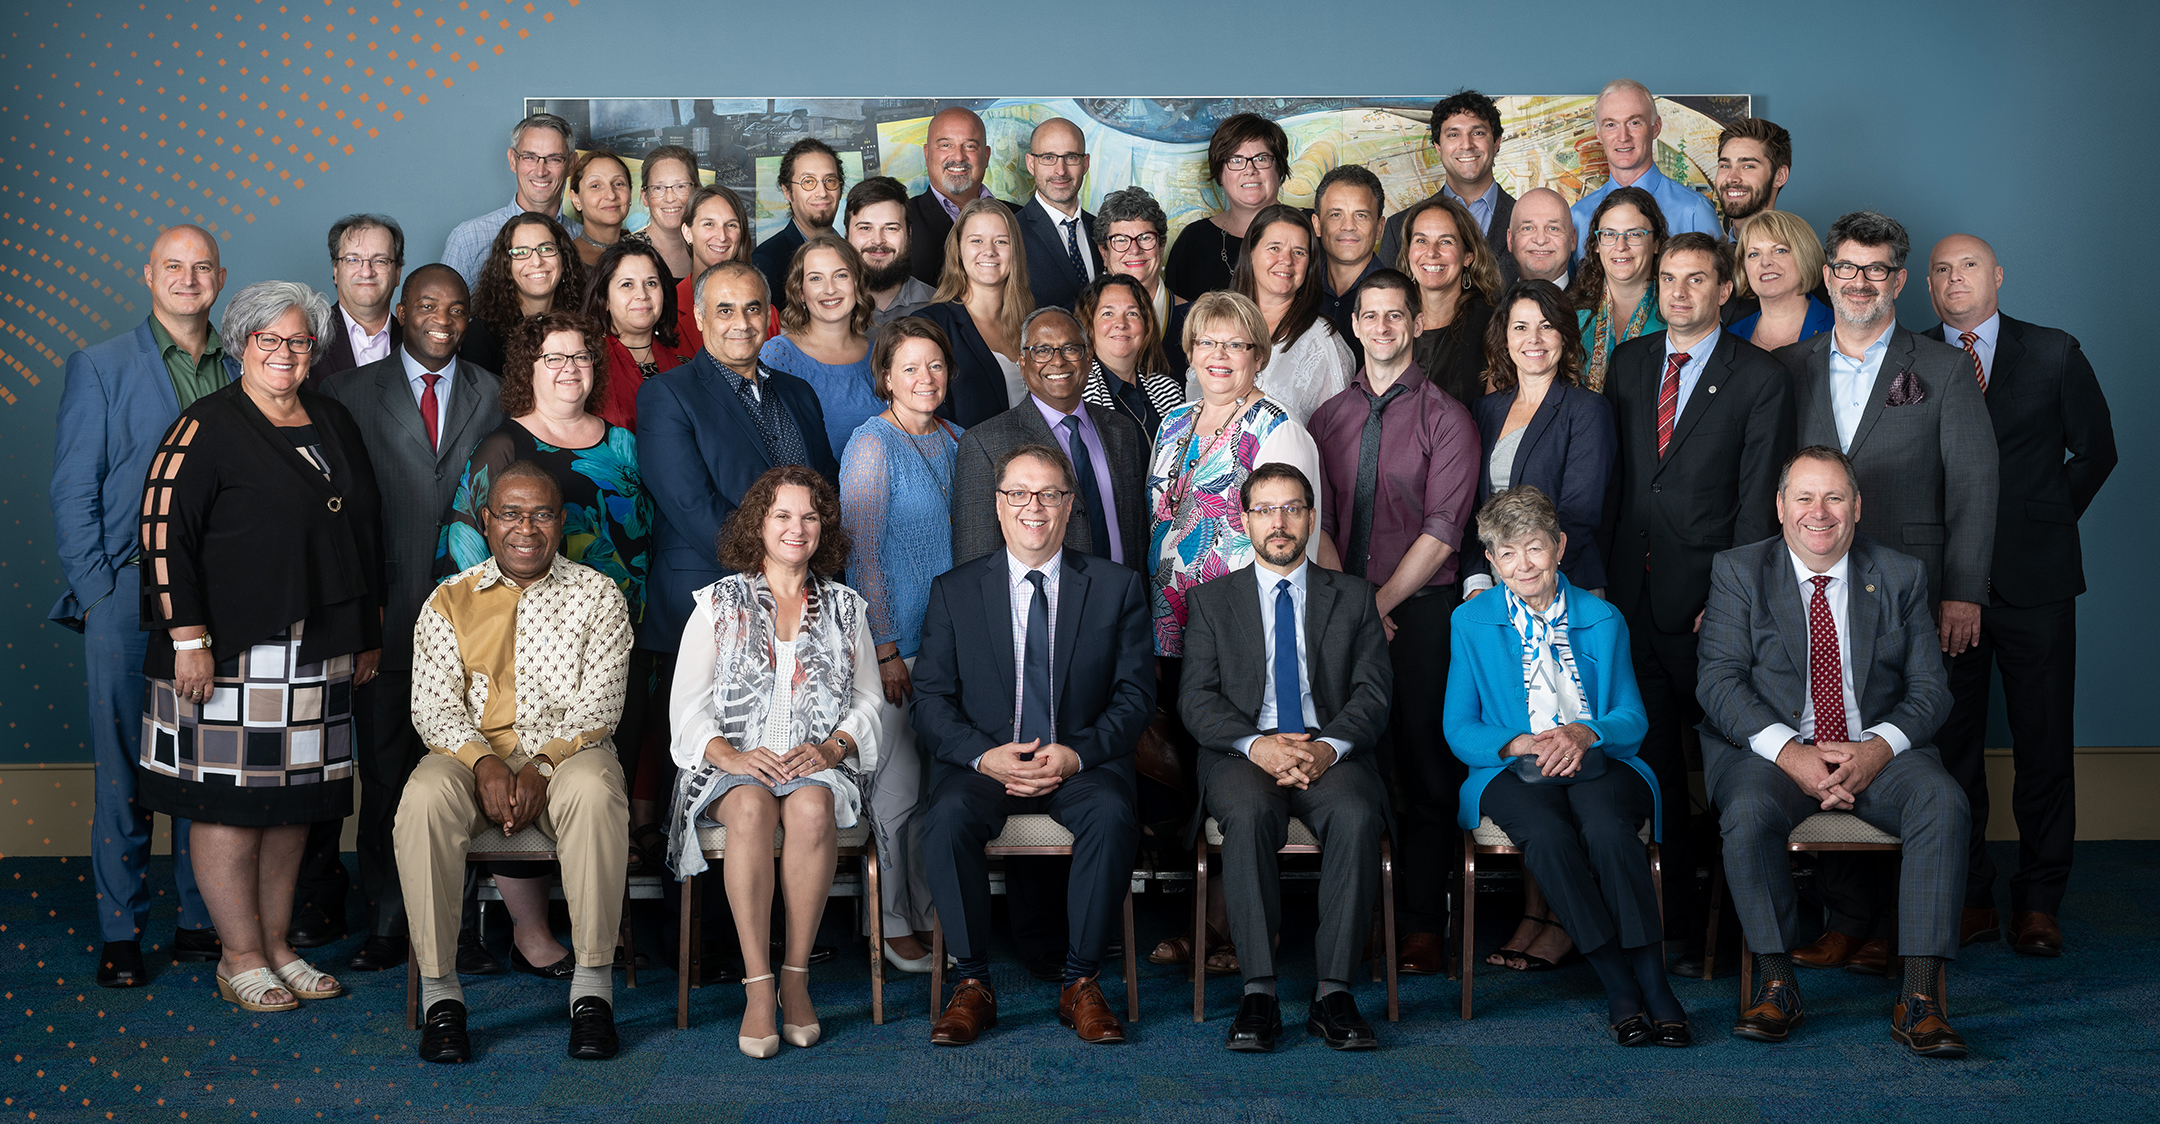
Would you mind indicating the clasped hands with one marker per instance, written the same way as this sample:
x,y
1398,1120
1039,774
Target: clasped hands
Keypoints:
x,y
774,768
1029,768
513,800
1294,760
1834,772
1559,751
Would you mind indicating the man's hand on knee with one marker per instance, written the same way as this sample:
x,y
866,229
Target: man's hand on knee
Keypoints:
x,y
497,789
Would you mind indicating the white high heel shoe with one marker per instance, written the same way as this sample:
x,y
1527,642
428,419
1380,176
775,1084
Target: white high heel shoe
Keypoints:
x,y
759,1048
918,966
799,1035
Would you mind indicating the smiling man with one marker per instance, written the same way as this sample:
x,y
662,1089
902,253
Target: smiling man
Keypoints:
x,y
1541,237
1628,127
541,149
1466,132
811,181
1754,159
367,258
1060,236
956,150
1346,221
877,226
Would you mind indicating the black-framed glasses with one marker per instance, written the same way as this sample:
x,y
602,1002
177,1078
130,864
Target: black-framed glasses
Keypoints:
x,y
1066,158
1847,270
1635,237
1262,161
376,264
812,183
1124,242
1049,497
665,190
540,518
553,163
544,249
265,342
1271,510
554,361
1045,352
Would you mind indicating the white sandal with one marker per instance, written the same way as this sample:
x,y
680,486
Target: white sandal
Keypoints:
x,y
760,1048
305,982
248,988
799,1035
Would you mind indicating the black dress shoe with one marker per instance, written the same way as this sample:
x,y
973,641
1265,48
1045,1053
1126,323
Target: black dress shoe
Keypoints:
x,y
592,1030
120,964
823,953
199,946
1675,1035
562,969
1334,1017
313,928
1258,1025
473,958
1049,967
442,1034
378,953
1631,1031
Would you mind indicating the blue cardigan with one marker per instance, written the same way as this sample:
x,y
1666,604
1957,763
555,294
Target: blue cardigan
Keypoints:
x,y
1486,706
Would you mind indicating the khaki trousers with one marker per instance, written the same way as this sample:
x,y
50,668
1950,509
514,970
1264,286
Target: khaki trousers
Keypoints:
x,y
587,815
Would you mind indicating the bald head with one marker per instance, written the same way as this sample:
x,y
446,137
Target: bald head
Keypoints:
x,y
1057,158
1541,235
184,277
1964,281
956,151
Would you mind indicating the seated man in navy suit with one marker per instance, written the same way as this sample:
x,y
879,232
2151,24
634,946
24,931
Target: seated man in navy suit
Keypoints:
x,y
1044,724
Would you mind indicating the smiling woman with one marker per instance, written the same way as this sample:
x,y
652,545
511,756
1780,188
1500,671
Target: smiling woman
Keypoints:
x,y
631,298
600,200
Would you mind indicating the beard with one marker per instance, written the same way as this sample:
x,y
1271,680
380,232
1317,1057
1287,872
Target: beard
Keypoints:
x,y
1866,310
878,279
1279,550
1758,200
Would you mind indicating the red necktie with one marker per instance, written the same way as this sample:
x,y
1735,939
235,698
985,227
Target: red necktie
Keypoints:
x,y
1668,401
1826,673
1979,372
428,409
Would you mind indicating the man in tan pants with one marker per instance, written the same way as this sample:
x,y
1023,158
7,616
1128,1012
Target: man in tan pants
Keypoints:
x,y
519,665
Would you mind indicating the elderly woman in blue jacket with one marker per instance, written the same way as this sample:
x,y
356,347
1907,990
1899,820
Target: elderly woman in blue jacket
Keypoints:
x,y
1542,705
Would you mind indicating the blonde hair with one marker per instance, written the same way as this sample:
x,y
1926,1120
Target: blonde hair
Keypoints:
x,y
1235,310
1788,230
1017,300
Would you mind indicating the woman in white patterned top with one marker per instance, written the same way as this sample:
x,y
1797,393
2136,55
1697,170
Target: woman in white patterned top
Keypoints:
x,y
775,714
1309,363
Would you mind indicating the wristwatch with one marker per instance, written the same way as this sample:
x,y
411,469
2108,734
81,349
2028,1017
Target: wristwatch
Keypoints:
x,y
200,642
544,767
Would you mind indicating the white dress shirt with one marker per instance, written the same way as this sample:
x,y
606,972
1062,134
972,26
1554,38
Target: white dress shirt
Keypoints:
x,y
366,348
1698,355
1987,332
1266,579
1021,592
1838,593
413,370
1852,381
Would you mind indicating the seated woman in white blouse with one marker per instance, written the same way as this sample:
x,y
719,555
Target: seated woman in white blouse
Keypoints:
x,y
775,712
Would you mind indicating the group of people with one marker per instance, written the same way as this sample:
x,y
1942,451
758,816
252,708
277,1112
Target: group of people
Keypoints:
x,y
1494,508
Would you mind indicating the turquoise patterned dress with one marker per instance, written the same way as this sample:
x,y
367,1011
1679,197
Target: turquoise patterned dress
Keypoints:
x,y
607,517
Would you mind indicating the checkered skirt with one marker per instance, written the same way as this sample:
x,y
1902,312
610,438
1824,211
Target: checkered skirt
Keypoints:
x,y
272,745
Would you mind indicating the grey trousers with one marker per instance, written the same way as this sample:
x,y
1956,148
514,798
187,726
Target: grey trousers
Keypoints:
x,y
1345,810
1913,798
898,788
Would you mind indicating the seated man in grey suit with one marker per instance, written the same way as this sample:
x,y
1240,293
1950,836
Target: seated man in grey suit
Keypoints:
x,y
1822,684
1253,639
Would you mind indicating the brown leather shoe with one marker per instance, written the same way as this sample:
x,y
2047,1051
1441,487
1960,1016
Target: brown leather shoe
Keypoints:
x,y
1976,925
1831,950
973,1010
1873,959
2036,934
1421,954
1918,1022
1082,1007
1773,1016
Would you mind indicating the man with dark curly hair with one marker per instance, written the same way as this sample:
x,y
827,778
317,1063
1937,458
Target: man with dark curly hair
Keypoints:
x,y
1466,131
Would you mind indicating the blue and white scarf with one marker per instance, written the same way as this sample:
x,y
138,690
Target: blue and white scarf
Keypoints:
x,y
1550,680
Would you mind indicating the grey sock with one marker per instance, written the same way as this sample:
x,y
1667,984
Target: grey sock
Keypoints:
x,y
1329,987
1921,974
598,981
1260,985
435,989
1775,966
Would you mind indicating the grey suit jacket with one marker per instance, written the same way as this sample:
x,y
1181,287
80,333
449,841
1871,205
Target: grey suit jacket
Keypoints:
x,y
417,481
1753,648
1927,470
975,530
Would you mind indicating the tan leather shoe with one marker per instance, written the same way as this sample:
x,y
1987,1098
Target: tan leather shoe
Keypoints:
x,y
1775,1013
1977,925
2036,934
973,1009
1082,1007
1421,954
1831,950
1919,1023
1873,959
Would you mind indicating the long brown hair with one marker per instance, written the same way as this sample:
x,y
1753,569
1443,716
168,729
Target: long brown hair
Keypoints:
x,y
1305,303
742,541
594,307
1151,360
521,353
1481,275
795,316
495,295
1589,288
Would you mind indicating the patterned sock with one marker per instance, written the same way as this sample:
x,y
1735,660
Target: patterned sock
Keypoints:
x,y
1921,974
1776,966
1260,985
598,981
435,989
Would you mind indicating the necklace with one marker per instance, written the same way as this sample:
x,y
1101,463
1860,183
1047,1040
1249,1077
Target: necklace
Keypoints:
x,y
594,243
944,488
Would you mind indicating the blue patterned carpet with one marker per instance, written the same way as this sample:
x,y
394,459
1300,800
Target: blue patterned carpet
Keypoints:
x,y
2069,1039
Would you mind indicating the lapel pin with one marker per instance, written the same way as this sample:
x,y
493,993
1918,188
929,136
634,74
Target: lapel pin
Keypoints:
x,y
1871,589
1713,390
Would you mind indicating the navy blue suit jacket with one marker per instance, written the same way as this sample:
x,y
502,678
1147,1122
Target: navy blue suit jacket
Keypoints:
x,y
1567,452
1051,277
1102,663
698,452
976,389
116,405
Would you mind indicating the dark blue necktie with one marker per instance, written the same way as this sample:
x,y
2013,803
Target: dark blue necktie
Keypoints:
x,y
1289,701
1072,247
1090,491
1035,683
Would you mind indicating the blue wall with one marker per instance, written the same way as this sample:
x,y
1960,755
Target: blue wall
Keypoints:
x,y
2023,123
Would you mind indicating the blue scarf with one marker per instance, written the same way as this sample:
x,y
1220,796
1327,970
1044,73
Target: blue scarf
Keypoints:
x,y
1548,661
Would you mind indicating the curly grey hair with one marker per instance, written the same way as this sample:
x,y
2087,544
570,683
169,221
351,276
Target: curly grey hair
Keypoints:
x,y
1130,204
252,309
1516,515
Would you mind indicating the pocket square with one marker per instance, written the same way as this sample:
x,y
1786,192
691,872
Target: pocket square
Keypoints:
x,y
1905,390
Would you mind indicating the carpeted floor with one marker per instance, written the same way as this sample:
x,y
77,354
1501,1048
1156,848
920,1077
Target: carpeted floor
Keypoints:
x,y
2070,1039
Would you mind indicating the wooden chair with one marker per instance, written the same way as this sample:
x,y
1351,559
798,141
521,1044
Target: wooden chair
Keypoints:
x,y
1302,841
855,842
1488,839
1823,831
1034,834
529,845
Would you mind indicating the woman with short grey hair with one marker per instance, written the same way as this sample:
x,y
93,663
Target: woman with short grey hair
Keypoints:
x,y
262,592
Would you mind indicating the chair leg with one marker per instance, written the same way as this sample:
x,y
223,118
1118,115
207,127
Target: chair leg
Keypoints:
x,y
1657,886
1387,928
685,951
412,991
1132,966
1747,974
877,934
1717,906
629,941
1199,939
1469,916
937,965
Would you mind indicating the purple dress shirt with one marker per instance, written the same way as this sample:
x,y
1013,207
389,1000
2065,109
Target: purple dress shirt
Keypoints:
x,y
1428,477
1101,463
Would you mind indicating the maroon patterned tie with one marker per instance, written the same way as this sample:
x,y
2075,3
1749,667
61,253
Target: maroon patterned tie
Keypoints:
x,y
1668,401
429,411
1826,673
1979,372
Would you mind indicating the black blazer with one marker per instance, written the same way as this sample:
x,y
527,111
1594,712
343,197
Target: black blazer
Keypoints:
x,y
975,530
928,224
1567,452
1102,663
2045,402
1050,271
337,350
975,385
1716,486
1464,374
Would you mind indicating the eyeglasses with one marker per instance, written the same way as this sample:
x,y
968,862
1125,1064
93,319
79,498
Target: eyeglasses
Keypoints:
x,y
1271,510
553,163
1044,352
1263,161
300,345
1019,497
665,189
1066,158
1846,271
376,264
1636,237
1232,347
812,183
540,518
1124,242
544,249
554,361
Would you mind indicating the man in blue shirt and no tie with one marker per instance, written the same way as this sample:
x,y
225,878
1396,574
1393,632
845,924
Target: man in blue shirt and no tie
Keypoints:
x,y
1628,126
